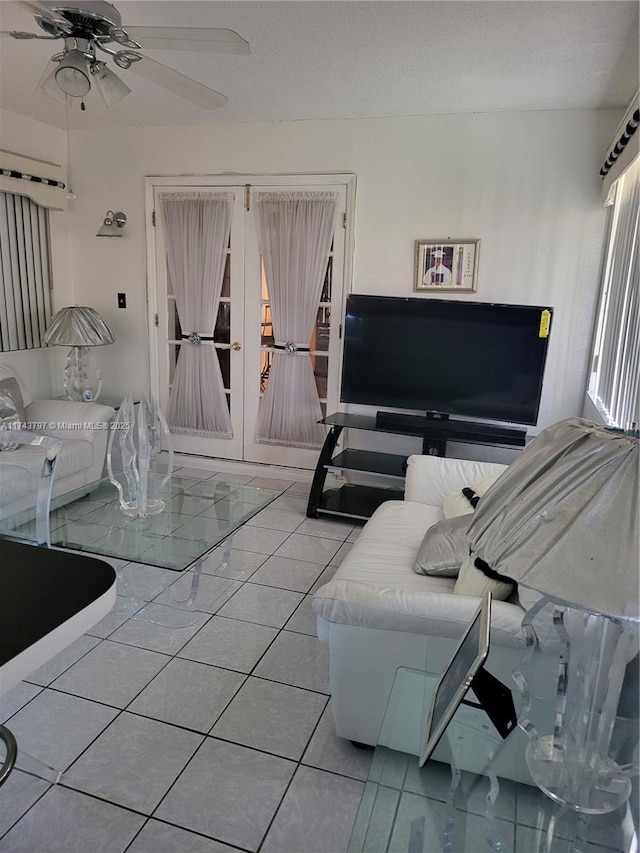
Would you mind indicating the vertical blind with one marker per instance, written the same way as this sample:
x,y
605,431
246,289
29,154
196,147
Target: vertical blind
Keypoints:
x,y
24,273
615,379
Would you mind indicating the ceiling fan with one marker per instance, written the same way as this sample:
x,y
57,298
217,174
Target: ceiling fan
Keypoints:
x,y
90,27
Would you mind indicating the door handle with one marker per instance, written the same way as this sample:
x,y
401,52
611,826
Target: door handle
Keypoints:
x,y
236,345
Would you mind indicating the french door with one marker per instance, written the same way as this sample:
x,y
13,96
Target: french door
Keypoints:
x,y
243,338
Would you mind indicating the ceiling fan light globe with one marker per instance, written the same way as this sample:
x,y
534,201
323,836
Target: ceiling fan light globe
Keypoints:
x,y
72,75
109,85
49,86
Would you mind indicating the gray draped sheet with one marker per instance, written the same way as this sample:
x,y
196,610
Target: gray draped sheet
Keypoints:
x,y
563,518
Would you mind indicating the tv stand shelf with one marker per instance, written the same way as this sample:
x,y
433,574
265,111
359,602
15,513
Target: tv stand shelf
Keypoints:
x,y
359,501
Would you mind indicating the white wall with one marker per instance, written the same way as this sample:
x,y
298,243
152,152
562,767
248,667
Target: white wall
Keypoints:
x,y
41,369
526,184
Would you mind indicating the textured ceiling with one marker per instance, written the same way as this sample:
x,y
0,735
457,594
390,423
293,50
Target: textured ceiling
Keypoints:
x,y
348,59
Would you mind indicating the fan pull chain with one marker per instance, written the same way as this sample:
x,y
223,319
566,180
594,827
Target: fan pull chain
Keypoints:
x,y
70,193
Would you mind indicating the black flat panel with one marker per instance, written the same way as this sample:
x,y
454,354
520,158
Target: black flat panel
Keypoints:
x,y
356,501
367,460
368,422
448,429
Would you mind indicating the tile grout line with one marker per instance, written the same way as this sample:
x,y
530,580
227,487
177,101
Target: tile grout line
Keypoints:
x,y
174,656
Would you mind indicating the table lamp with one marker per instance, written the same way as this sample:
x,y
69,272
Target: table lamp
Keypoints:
x,y
562,521
80,328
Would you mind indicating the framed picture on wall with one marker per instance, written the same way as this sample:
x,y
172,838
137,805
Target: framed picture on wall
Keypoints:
x,y
446,265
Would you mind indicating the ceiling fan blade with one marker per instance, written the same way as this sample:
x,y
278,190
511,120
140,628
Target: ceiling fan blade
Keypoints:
x,y
18,35
177,83
189,38
44,10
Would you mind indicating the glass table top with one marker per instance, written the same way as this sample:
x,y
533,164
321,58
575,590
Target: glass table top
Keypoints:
x,y
408,809
198,516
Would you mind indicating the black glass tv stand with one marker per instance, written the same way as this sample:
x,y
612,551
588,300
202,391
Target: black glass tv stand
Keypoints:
x,y
359,501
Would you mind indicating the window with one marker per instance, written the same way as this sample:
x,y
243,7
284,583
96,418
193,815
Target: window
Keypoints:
x,y
615,376
25,307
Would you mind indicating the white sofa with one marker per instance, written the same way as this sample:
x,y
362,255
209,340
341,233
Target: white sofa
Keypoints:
x,y
378,614
83,429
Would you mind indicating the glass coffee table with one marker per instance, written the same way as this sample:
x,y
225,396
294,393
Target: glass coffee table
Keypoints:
x,y
199,515
442,807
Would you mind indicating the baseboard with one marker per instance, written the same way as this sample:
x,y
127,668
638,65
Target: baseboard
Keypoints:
x,y
231,466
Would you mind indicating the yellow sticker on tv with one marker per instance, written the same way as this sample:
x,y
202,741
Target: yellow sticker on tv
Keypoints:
x,y
545,320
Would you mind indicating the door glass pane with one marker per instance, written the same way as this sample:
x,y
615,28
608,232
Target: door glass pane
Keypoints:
x,y
266,359
226,281
174,351
174,329
222,333
320,364
326,286
224,357
266,326
320,335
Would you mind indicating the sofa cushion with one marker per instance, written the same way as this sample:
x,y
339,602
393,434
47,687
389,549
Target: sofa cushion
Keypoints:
x,y
376,585
471,581
429,479
443,548
75,456
390,540
463,502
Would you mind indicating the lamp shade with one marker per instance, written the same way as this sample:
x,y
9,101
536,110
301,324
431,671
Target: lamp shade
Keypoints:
x,y
563,518
78,326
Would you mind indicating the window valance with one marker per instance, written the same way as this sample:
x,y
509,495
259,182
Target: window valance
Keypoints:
x,y
622,151
40,181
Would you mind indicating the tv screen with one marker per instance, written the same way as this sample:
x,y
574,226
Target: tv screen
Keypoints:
x,y
472,359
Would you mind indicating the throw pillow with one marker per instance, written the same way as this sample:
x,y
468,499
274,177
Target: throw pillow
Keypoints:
x,y
443,548
456,505
471,581
464,501
11,412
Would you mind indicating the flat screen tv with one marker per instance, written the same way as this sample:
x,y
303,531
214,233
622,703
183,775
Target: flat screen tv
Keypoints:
x,y
470,359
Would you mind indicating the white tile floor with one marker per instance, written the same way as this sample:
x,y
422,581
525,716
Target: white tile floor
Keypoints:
x,y
210,738
216,737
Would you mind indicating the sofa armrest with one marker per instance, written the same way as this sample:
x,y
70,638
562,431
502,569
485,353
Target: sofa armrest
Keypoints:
x,y
429,479
69,419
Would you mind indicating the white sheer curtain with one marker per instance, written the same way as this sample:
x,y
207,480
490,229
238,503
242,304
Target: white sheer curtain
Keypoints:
x,y
295,230
197,228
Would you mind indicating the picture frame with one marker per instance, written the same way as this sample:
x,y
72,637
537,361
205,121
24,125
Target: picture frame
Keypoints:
x,y
446,266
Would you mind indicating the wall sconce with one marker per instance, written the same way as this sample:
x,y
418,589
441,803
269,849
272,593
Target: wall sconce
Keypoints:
x,y
112,225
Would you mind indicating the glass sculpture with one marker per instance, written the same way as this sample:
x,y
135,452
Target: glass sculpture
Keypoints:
x,y
134,446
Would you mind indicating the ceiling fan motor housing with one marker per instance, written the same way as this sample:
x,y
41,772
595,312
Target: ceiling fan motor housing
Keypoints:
x,y
87,20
